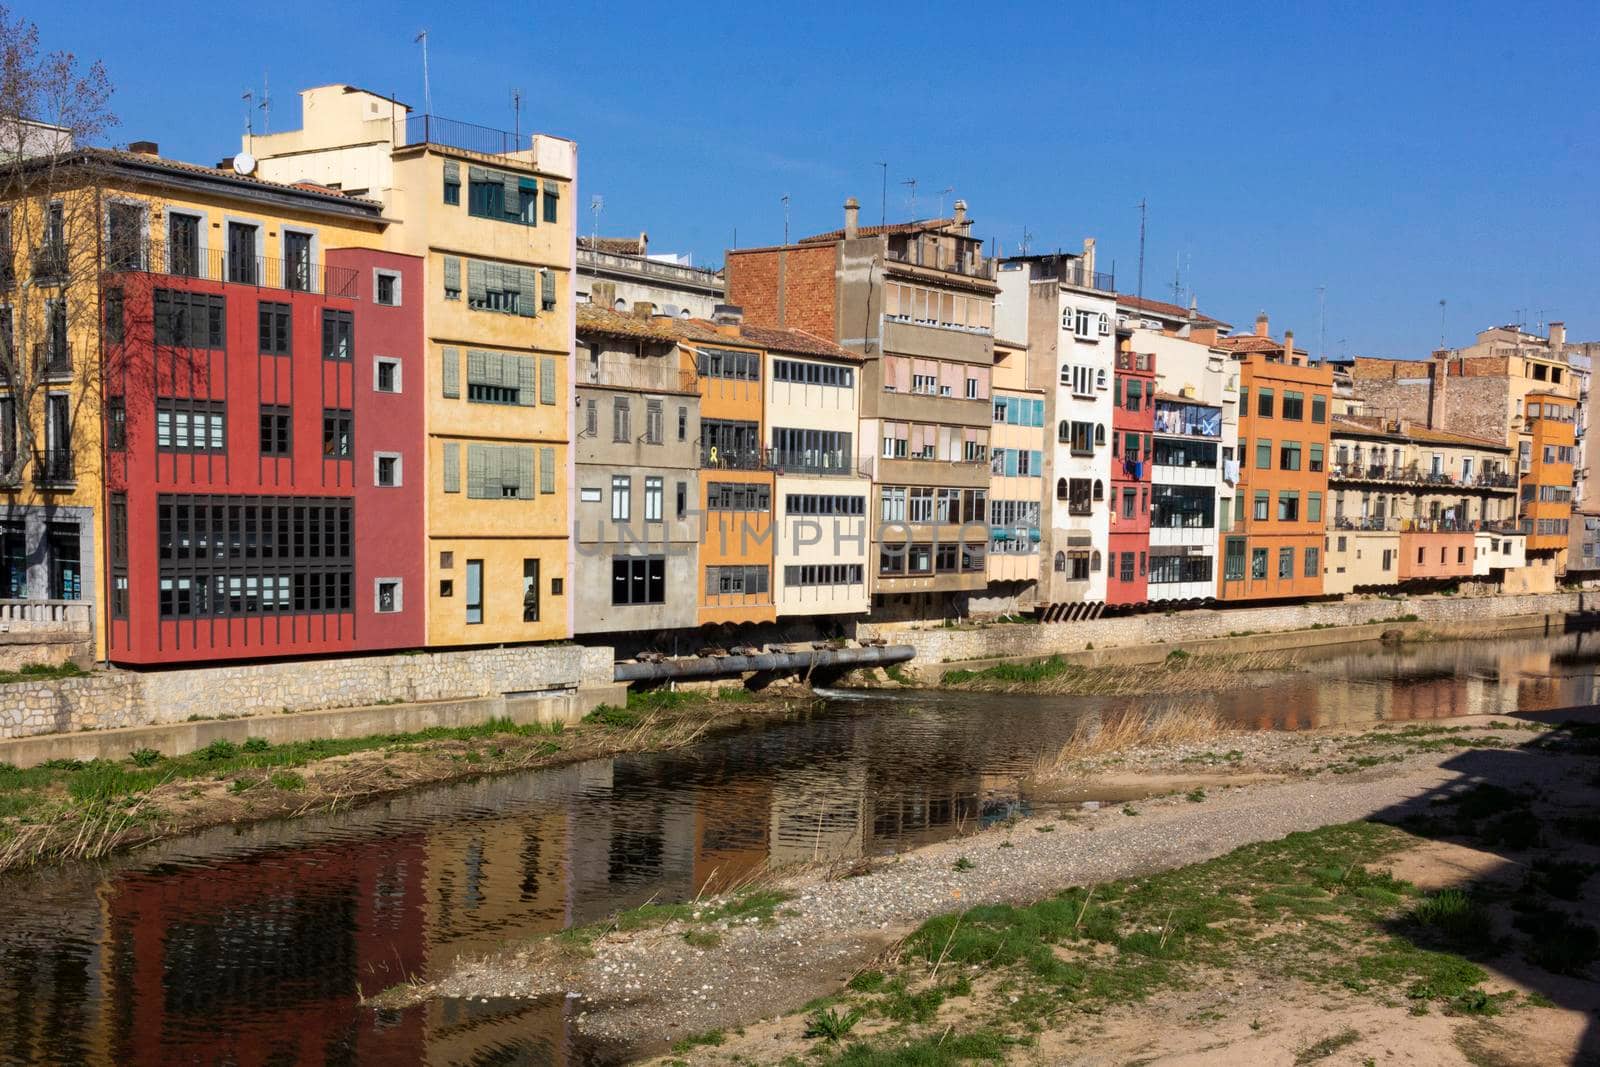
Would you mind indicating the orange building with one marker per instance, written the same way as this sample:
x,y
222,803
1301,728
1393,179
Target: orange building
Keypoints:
x,y
1545,510
1274,548
736,478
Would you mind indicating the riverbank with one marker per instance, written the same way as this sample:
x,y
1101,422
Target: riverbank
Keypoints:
x,y
853,934
74,809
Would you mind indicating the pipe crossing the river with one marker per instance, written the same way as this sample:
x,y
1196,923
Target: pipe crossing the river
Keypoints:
x,y
715,666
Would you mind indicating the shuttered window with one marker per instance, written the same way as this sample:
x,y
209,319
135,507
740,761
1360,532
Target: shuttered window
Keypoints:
x,y
547,380
452,372
500,472
547,284
452,278
547,470
452,467
500,378
552,194
452,182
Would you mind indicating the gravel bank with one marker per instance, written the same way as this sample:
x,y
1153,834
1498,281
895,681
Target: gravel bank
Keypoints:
x,y
650,987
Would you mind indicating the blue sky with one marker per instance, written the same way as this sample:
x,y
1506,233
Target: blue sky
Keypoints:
x,y
1396,157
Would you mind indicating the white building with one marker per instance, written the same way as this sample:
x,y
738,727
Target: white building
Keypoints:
x,y
1066,313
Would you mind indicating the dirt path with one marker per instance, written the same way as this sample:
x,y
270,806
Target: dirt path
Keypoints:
x,y
652,987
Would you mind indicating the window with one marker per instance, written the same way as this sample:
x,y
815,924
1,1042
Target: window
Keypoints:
x,y
452,182
738,496
1313,507
115,319
187,425
1263,505
926,384
273,321
386,375
972,389
1078,566
1293,405
720,363
183,244
1289,456
386,596
683,424
785,370
338,334
452,278
683,499
530,590
653,499
1165,569
1082,434
1080,378
1288,506
1263,454
736,581
1079,496
1128,499
1315,463
621,420
1135,394
1285,563
811,574
338,438
386,288
638,580
654,431
386,469
1264,403
621,497
486,195
1126,572
1319,408
500,378
1183,507
474,598
189,320
116,426
1388,559
119,556
276,423
825,504
552,197
1233,560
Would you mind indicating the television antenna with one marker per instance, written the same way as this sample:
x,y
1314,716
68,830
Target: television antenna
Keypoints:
x,y
249,117
265,105
1322,322
516,120
785,199
597,204
946,191
912,182
883,204
1142,218
427,90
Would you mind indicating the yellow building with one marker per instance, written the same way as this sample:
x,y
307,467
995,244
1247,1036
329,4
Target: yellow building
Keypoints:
x,y
492,216
1016,486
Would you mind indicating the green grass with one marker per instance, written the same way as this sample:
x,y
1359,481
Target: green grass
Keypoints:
x,y
710,1038
1321,1050
1054,667
37,671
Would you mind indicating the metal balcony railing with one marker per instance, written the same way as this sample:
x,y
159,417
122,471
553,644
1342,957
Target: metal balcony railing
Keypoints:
x,y
977,268
713,457
484,140
53,467
216,265
50,260
812,461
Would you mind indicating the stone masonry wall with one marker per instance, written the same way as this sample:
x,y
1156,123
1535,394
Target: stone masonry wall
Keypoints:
x,y
938,645
128,698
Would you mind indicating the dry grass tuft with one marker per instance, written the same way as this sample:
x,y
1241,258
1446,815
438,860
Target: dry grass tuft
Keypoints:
x,y
1184,724
1180,673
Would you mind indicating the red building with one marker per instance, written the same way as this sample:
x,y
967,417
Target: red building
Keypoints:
x,y
263,449
1132,424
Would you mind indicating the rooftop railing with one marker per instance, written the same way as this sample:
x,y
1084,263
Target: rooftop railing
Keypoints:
x,y
484,140
1072,272
975,268
216,265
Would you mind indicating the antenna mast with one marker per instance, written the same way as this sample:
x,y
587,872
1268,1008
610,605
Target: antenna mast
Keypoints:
x,y
883,204
1322,322
596,204
266,105
786,218
946,191
516,112
427,89
912,182
1441,324
1142,212
249,119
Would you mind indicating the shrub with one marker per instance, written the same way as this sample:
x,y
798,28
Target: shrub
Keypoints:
x,y
144,757
256,744
219,749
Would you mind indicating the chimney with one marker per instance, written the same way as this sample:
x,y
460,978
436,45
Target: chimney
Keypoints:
x,y
728,315
1558,337
1261,325
963,224
1288,346
1088,255
644,244
643,309
603,294
852,218
144,148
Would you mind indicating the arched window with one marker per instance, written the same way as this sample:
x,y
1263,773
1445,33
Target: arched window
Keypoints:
x,y
1100,378
1099,433
1105,324
1099,489
1061,562
1061,489
1094,560
1063,431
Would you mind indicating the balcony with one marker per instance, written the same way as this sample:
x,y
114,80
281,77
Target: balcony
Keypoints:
x,y
50,260
53,468
812,461
1071,272
977,268
1411,474
27,617
1136,361
215,265
716,458
452,133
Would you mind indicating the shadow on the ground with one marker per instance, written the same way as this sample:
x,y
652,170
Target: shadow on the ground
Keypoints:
x,y
1522,901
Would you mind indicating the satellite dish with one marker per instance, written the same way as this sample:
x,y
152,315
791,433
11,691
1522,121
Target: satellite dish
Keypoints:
x,y
244,163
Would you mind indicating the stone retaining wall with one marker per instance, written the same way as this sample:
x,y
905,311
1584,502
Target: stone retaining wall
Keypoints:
x,y
935,644
114,699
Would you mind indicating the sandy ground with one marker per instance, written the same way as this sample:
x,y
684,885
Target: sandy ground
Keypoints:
x,y
650,987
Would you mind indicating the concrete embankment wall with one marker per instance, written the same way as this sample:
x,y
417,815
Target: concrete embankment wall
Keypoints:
x,y
546,682
1143,638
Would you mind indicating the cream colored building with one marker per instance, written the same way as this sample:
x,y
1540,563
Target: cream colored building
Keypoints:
x,y
492,217
821,497
1017,442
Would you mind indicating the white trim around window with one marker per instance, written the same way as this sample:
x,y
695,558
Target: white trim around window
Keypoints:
x,y
377,470
385,361
399,297
377,596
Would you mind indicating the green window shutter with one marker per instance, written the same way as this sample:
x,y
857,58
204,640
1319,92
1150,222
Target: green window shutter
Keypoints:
x,y
495,368
526,393
547,380
552,192
452,171
452,273
452,467
549,289
530,202
477,367
525,472
527,292
492,468
478,174
477,467
508,182
547,470
452,373
477,282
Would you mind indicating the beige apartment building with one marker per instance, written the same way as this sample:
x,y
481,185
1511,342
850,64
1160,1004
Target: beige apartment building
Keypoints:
x,y
491,215
1017,443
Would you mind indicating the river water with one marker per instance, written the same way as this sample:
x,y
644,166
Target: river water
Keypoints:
x,y
252,945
